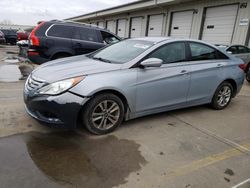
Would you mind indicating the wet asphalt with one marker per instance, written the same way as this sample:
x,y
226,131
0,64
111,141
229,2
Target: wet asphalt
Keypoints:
x,y
66,159
190,148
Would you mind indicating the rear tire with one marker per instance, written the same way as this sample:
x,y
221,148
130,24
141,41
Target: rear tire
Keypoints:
x,y
222,96
103,113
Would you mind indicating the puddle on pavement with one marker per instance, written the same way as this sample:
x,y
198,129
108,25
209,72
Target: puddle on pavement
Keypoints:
x,y
9,73
67,159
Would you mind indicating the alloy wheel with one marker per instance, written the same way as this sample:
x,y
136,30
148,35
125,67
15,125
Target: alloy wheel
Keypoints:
x,y
105,115
224,96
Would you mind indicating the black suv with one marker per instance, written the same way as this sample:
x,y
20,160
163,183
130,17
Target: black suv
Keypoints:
x,y
10,36
57,39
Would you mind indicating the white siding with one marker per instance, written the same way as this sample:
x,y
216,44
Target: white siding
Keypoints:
x,y
195,24
219,24
155,25
121,28
181,24
101,24
136,27
111,25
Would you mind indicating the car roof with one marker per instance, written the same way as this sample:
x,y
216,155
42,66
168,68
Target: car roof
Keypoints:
x,y
152,39
170,39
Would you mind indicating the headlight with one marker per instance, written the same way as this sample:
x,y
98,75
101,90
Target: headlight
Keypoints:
x,y
60,86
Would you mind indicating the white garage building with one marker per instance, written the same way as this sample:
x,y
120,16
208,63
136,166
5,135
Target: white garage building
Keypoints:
x,y
215,21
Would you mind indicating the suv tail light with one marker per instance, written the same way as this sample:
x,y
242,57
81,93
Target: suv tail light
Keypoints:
x,y
34,40
243,67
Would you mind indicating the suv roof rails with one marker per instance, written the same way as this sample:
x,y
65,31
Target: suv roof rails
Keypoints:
x,y
69,21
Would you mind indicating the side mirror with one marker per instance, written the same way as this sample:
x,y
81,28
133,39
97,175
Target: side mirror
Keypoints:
x,y
151,62
229,52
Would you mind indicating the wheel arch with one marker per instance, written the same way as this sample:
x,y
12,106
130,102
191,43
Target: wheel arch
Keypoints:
x,y
234,85
107,91
56,54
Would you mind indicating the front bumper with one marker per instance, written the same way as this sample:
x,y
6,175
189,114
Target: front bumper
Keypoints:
x,y
58,111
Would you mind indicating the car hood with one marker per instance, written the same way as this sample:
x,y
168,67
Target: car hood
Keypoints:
x,y
71,67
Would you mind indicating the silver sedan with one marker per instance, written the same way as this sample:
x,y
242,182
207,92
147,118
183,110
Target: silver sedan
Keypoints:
x,y
130,79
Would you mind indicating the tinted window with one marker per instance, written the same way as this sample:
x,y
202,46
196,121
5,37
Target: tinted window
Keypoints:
x,y
233,49
60,31
109,38
85,34
170,53
204,52
123,51
243,49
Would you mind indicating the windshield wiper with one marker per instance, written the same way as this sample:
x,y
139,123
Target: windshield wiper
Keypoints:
x,y
101,59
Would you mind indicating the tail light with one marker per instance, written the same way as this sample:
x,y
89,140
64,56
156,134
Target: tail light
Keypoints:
x,y
243,67
34,40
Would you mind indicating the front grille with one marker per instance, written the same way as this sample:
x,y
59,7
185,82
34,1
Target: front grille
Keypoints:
x,y
33,84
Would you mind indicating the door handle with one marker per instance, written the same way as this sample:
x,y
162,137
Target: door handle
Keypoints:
x,y
78,45
184,72
219,65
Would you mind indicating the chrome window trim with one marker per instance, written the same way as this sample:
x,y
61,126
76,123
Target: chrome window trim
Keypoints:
x,y
46,34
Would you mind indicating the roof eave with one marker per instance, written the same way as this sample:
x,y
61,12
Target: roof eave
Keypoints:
x,y
123,9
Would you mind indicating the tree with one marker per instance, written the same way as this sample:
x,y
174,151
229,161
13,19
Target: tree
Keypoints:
x,y
6,22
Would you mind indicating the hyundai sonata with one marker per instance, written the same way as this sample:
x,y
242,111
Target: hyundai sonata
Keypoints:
x,y
130,79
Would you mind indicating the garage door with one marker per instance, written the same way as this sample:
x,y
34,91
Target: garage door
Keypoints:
x,y
219,24
155,25
101,24
136,27
121,28
181,24
111,26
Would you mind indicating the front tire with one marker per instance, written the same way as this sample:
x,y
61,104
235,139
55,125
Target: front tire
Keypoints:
x,y
103,113
222,96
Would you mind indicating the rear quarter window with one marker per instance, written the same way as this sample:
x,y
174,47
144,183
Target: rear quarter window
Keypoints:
x,y
203,52
61,31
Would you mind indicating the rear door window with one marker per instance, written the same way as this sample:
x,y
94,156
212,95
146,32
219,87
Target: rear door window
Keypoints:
x,y
203,52
61,31
85,34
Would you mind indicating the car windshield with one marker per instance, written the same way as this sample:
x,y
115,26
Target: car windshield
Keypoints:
x,y
122,52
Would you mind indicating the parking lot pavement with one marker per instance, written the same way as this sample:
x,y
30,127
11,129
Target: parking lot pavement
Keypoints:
x,y
190,148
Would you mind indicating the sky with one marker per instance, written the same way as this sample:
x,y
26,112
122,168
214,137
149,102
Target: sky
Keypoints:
x,y
29,12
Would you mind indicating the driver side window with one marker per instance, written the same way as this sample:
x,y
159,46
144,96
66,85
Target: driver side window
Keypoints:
x,y
233,49
170,53
109,38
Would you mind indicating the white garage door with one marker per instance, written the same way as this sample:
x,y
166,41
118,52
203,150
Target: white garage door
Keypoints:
x,y
136,27
121,28
181,24
155,25
111,26
101,24
219,24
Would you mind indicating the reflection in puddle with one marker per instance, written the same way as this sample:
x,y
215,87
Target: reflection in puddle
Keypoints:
x,y
67,159
9,73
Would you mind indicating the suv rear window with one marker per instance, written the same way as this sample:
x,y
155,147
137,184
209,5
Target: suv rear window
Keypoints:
x,y
62,31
